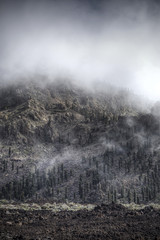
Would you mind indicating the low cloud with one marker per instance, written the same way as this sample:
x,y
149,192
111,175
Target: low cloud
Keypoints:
x,y
83,40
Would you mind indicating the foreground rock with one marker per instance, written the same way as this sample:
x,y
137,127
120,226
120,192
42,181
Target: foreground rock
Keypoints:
x,y
104,222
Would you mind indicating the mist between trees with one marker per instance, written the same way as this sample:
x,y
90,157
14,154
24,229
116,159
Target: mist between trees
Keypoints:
x,y
123,166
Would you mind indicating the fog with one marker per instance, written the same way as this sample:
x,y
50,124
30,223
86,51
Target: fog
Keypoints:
x,y
115,42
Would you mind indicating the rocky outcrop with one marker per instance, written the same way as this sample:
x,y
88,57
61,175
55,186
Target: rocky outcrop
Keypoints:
x,y
30,113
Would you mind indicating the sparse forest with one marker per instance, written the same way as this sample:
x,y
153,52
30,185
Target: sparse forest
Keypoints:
x,y
118,160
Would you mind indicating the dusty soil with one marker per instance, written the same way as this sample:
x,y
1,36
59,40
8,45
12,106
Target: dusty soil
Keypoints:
x,y
104,222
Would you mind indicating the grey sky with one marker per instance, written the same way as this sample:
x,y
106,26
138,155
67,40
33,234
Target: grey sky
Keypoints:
x,y
86,41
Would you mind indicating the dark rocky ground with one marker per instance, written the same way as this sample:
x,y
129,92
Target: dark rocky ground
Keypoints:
x,y
104,222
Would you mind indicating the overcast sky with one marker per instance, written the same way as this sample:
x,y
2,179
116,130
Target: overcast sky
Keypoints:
x,y
112,41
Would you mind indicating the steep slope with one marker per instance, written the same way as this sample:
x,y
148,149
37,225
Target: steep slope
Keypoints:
x,y
59,141
30,113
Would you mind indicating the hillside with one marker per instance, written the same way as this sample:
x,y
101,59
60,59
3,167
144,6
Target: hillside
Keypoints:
x,y
62,142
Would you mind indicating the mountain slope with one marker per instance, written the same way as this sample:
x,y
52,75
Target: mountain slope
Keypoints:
x,y
29,112
59,141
